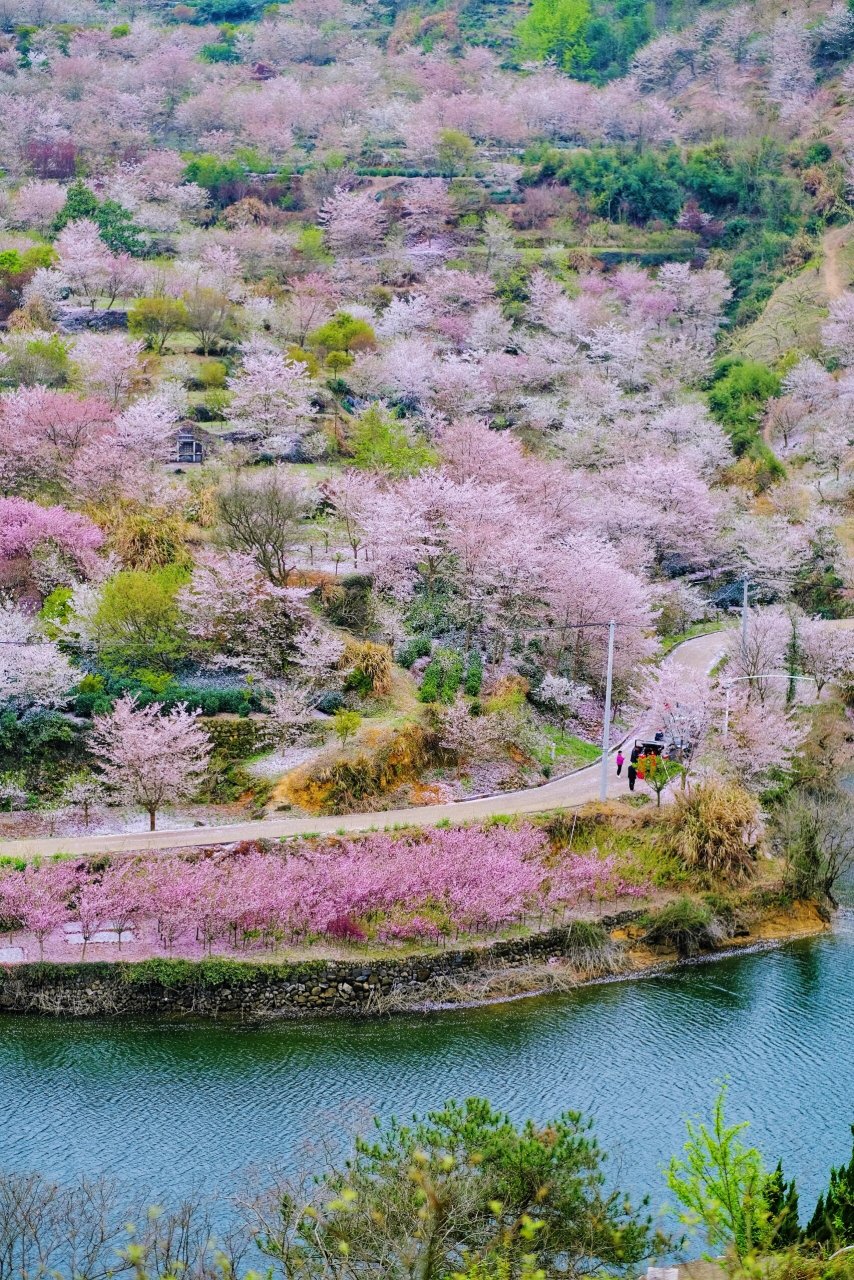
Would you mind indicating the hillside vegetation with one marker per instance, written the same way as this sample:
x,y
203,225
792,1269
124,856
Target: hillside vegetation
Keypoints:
x,y
360,361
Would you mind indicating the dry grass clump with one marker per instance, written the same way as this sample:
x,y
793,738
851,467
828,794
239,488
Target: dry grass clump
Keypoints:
x,y
713,829
374,662
359,782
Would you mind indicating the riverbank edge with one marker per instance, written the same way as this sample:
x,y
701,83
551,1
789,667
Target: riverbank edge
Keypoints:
x,y
509,969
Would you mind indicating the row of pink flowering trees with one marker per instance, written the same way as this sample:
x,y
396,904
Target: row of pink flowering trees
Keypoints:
x,y
464,880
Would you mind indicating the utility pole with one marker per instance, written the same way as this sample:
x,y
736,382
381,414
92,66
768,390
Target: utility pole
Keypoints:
x,y
606,728
744,616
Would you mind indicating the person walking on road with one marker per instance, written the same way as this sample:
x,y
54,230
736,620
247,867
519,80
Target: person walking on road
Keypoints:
x,y
620,762
632,769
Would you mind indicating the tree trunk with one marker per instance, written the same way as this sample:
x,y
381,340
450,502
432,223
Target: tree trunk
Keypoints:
x,y
152,814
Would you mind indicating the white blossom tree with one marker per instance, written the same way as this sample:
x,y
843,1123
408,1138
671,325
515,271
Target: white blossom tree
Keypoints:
x,y
271,393
149,757
33,672
824,652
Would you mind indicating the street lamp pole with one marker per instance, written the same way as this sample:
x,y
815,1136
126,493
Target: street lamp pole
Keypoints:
x,y
606,727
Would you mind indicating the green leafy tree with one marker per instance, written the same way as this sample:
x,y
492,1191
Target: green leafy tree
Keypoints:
x,y
225,180
443,677
80,202
210,316
38,361
44,745
137,623
721,1184
815,836
216,11
13,262
613,37
55,611
346,723
311,245
380,442
455,153
555,29
658,772
464,1191
16,271
118,229
739,393
621,183
221,51
343,333
156,320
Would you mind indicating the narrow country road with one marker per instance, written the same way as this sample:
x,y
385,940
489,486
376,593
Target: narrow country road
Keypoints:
x,y
699,655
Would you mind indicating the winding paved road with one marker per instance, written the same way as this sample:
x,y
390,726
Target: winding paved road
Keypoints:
x,y
576,788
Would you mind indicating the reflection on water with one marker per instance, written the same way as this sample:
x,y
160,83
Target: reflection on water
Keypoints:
x,y
168,1106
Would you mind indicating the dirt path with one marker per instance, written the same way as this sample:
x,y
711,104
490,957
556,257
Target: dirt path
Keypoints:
x,y
577,788
833,277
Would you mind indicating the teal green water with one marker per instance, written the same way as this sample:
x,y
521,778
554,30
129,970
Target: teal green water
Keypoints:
x,y
166,1107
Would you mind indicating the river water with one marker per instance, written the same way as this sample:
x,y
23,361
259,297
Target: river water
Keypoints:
x,y
167,1107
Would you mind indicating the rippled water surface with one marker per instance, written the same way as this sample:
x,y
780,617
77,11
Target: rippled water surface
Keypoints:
x,y
171,1106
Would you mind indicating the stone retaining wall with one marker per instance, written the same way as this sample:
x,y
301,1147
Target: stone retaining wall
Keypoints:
x,y
248,988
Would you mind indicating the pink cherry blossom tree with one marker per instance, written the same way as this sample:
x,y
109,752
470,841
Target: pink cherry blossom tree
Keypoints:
x,y
760,651
311,300
237,617
288,713
838,331
317,652
91,269
426,206
150,758
43,431
761,736
682,703
562,695
45,547
37,203
39,897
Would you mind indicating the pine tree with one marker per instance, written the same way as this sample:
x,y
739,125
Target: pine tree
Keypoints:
x,y
80,202
832,1224
114,222
781,1198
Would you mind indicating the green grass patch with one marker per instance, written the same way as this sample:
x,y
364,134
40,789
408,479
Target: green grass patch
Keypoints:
x,y
567,749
